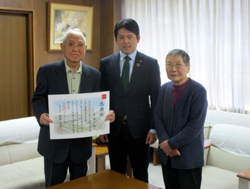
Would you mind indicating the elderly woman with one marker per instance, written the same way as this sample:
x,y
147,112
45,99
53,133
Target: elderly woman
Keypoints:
x,y
179,117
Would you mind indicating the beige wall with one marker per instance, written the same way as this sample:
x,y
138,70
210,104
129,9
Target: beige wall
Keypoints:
x,y
106,14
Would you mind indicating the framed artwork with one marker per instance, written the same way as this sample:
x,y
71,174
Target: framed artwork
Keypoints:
x,y
63,17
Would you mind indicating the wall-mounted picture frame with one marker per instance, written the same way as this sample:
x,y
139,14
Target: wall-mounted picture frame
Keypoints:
x,y
63,17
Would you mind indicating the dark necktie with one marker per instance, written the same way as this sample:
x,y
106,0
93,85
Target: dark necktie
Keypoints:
x,y
125,73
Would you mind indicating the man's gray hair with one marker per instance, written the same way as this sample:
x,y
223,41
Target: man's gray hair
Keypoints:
x,y
73,31
179,52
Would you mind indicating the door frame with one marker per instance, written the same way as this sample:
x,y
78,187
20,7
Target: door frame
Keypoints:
x,y
30,50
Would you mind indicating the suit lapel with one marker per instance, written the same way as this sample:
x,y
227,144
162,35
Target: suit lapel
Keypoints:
x,y
138,65
61,78
117,70
86,83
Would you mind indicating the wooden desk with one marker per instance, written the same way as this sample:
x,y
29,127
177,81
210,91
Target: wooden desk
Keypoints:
x,y
101,151
244,179
105,180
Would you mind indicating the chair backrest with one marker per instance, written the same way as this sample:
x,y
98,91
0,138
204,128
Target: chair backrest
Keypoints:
x,y
230,148
13,153
216,117
19,130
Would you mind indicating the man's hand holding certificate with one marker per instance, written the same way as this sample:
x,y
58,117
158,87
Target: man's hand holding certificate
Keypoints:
x,y
79,115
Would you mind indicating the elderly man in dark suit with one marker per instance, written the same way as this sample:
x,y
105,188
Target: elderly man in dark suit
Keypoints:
x,y
133,80
69,76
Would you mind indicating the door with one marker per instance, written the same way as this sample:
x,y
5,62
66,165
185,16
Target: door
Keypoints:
x,y
14,66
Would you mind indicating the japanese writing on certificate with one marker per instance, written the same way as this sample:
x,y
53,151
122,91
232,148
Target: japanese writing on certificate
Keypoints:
x,y
78,115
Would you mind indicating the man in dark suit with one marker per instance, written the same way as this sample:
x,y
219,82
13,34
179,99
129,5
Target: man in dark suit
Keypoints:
x,y
133,95
69,76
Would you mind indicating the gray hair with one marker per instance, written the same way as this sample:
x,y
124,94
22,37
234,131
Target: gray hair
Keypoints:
x,y
179,52
75,31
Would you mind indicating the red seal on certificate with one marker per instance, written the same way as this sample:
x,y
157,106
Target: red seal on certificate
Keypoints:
x,y
64,108
104,96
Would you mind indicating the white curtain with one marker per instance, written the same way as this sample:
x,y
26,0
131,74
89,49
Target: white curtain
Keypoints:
x,y
215,34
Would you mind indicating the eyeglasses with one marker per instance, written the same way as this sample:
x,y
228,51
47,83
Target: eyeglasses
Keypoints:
x,y
170,66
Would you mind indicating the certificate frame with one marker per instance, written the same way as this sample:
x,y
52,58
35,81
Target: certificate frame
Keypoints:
x,y
62,17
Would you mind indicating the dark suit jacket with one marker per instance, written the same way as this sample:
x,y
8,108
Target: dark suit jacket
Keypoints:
x,y
144,82
52,79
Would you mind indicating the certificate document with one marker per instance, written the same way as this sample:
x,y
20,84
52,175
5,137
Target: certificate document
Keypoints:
x,y
78,115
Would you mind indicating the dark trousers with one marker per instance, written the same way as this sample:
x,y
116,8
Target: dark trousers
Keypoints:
x,y
181,178
55,173
124,145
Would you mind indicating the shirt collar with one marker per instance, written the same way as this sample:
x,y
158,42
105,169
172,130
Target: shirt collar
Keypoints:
x,y
68,68
132,55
